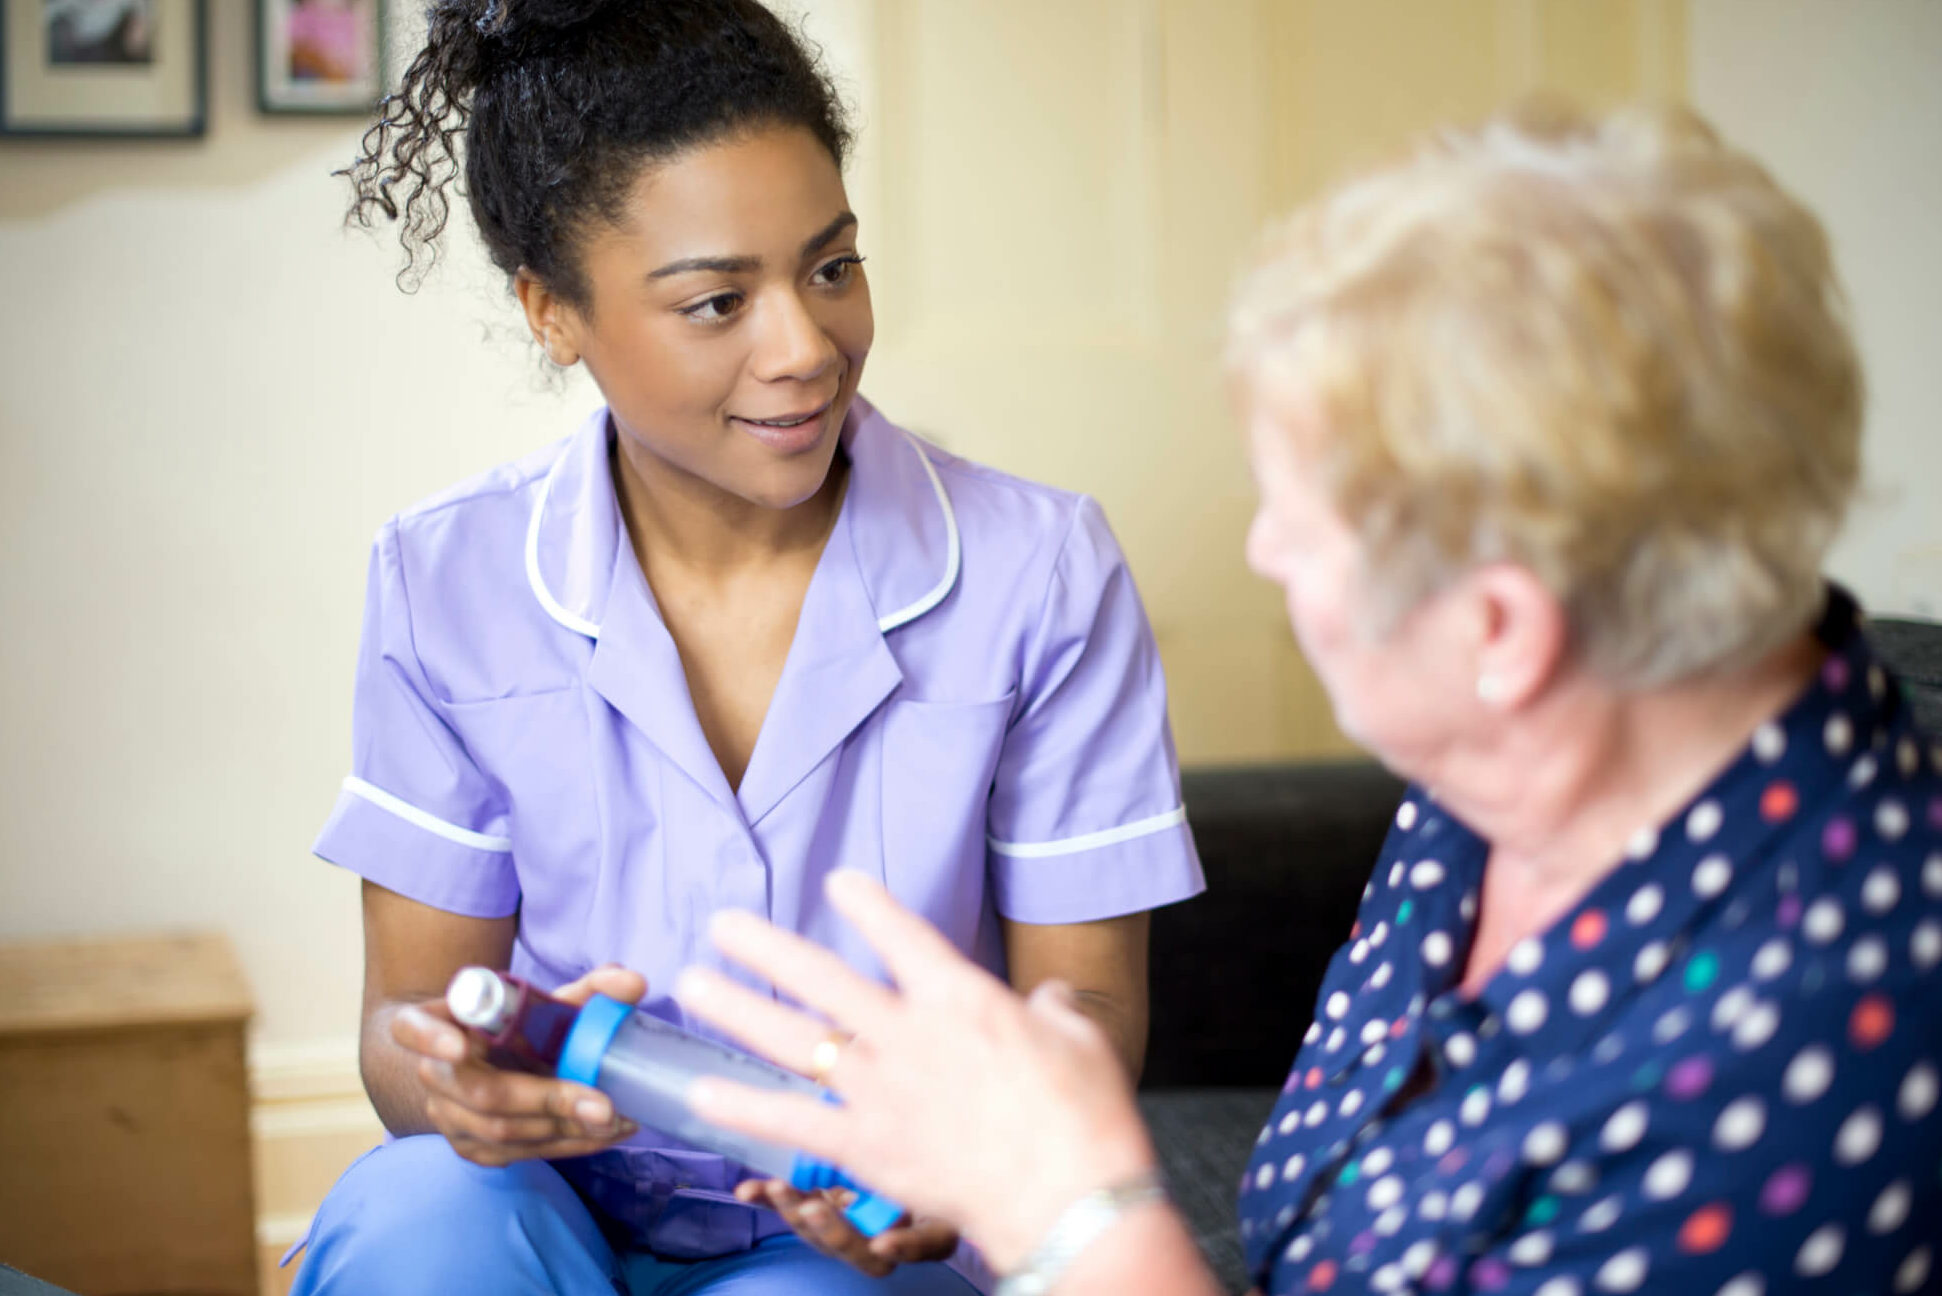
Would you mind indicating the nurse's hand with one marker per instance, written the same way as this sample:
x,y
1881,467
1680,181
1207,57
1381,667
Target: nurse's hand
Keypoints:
x,y
817,1218
493,1117
960,1099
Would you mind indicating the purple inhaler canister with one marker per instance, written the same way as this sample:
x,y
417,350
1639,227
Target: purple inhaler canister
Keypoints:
x,y
646,1066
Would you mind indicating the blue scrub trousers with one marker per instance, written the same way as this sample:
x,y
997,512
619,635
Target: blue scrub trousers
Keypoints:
x,y
413,1217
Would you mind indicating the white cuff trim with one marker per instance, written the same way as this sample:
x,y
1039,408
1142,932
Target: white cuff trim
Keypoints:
x,y
1089,841
431,823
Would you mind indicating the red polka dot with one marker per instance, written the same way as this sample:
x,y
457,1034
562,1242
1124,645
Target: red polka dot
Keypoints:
x,y
1322,1276
1872,1022
1589,929
1779,801
1356,930
1706,1229
1398,1027
1314,1079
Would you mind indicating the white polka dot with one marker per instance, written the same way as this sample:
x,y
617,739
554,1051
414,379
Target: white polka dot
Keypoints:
x,y
1419,1257
1378,1162
1731,1006
1379,935
1373,1054
1821,1251
1651,961
1426,874
1925,945
1747,1284
1338,1004
1574,1178
1358,951
1289,1122
1264,1176
1645,904
1772,959
1669,1175
1465,1200
1440,1138
1808,1075
1740,1124
1385,1192
1608,1050
1882,891
1562,1285
1671,1025
1351,1102
1916,1098
1908,757
1397,872
1434,1206
1317,1113
1769,742
1314,1033
1336,1038
1602,1216
1515,1082
1291,1168
1527,1011
1824,920
1914,1271
1405,817
1388,1278
1526,956
1642,843
1545,1143
1531,1250
1624,1128
1474,1107
1891,819
1867,959
1624,1272
1298,1249
1468,906
1862,772
1589,991
1838,734
1374,1029
1461,1049
1890,1210
1757,1027
1711,876
1859,1137
1704,821
1932,877
1380,977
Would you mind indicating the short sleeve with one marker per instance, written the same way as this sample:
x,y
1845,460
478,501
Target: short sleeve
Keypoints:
x,y
415,816
1085,816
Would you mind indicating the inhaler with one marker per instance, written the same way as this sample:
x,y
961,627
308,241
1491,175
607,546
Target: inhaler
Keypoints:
x,y
645,1065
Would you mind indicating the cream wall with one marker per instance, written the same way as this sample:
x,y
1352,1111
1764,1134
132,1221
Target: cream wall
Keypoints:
x,y
1844,102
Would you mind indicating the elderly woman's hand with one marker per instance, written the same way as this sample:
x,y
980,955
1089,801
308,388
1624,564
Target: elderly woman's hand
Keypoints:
x,y
960,1099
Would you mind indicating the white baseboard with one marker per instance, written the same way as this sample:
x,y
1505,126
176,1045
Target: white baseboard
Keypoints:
x,y
309,1118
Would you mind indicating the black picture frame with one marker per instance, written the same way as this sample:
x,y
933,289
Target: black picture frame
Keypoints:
x,y
278,94
38,102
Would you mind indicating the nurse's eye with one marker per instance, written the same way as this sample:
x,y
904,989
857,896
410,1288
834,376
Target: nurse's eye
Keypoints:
x,y
715,309
837,273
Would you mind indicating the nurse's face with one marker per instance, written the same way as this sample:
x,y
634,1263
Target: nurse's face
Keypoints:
x,y
729,316
1391,693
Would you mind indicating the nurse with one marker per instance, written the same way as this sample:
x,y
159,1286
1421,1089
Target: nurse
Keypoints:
x,y
737,631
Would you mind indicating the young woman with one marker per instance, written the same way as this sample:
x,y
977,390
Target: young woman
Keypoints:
x,y
735,633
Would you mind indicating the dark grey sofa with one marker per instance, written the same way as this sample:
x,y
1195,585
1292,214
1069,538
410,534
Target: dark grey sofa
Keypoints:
x,y
1287,849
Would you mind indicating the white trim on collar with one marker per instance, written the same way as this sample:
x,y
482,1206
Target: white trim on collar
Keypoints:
x,y
953,553
577,624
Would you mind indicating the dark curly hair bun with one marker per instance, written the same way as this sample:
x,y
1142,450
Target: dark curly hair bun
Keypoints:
x,y
560,103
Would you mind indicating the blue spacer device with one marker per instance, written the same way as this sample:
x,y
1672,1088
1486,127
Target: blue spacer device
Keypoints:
x,y
592,1033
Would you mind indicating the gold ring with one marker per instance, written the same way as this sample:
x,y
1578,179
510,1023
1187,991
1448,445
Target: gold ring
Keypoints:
x,y
824,1057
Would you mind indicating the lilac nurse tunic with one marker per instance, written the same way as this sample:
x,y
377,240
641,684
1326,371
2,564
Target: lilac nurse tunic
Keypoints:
x,y
972,710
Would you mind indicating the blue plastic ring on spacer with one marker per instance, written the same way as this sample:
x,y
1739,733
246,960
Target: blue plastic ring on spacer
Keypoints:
x,y
870,1213
592,1031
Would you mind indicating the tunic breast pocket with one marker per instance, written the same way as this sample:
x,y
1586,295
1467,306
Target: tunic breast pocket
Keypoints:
x,y
938,762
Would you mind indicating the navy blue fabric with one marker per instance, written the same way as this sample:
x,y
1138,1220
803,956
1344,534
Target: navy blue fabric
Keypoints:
x,y
1717,1074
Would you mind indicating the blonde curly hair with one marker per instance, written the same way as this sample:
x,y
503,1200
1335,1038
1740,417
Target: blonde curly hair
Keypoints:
x,y
1611,349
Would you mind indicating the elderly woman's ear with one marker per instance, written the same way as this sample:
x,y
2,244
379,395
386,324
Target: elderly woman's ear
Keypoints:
x,y
1522,634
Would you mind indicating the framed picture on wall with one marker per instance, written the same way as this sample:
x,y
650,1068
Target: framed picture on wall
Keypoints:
x,y
102,67
319,56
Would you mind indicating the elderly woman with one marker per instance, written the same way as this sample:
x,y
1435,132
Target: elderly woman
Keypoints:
x,y
1553,425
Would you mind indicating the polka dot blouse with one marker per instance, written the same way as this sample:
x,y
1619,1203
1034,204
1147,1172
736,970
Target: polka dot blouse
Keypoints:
x,y
1717,1075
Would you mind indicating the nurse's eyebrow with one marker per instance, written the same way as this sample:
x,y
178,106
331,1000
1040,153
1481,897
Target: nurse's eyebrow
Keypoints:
x,y
750,264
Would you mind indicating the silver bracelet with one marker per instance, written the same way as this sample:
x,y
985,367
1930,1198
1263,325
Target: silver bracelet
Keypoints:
x,y
1076,1229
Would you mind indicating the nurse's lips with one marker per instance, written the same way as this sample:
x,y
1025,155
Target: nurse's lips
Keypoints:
x,y
789,433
